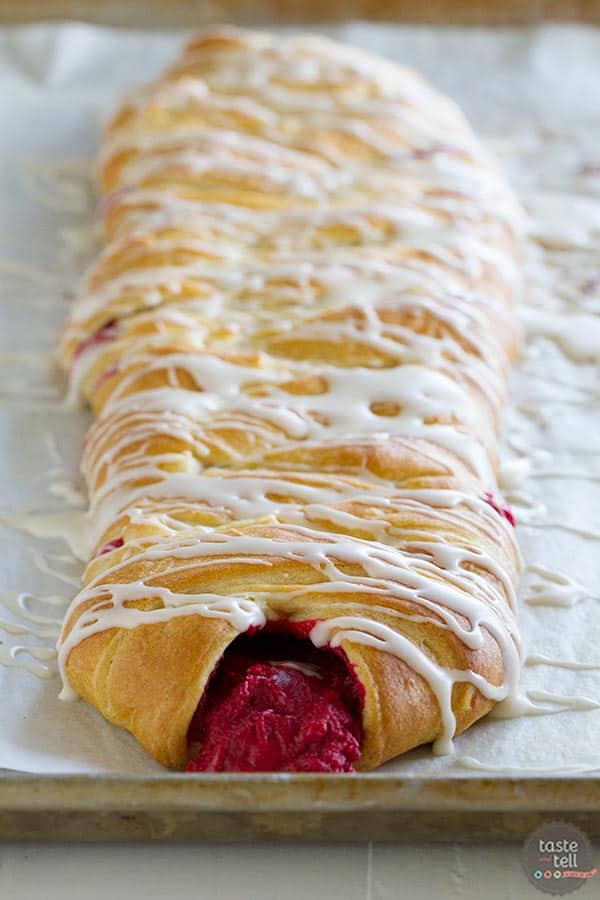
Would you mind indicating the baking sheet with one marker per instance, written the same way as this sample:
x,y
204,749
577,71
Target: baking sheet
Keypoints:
x,y
533,95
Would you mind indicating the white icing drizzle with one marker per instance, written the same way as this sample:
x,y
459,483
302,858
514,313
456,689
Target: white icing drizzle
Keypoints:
x,y
25,620
29,276
19,619
68,491
567,474
591,534
240,612
554,588
64,185
34,392
69,525
577,334
540,659
34,660
57,565
579,768
353,269
525,506
541,703
513,472
422,398
440,680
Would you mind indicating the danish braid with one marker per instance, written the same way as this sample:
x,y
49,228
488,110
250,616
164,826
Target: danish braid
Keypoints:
x,y
296,343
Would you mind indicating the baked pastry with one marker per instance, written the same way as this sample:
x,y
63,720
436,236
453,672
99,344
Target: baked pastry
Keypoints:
x,y
296,343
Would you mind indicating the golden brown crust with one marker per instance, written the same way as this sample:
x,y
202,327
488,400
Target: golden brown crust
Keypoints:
x,y
149,679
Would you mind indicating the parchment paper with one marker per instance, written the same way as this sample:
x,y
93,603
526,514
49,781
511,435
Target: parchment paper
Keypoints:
x,y
535,94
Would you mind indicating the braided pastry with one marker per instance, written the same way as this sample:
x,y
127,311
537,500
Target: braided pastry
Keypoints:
x,y
296,344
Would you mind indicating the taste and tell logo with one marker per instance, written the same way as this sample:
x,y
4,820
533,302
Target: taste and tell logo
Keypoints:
x,y
557,858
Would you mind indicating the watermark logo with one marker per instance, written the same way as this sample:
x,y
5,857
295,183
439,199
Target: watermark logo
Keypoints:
x,y
557,858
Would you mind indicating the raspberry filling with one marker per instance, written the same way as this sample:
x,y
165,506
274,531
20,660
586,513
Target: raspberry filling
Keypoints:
x,y
108,332
435,149
278,704
111,545
501,507
112,200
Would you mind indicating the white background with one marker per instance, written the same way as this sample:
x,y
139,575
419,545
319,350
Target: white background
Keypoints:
x,y
268,872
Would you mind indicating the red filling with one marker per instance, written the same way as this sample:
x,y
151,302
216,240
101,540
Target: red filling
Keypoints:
x,y
111,545
108,373
112,200
108,332
501,507
278,704
435,149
